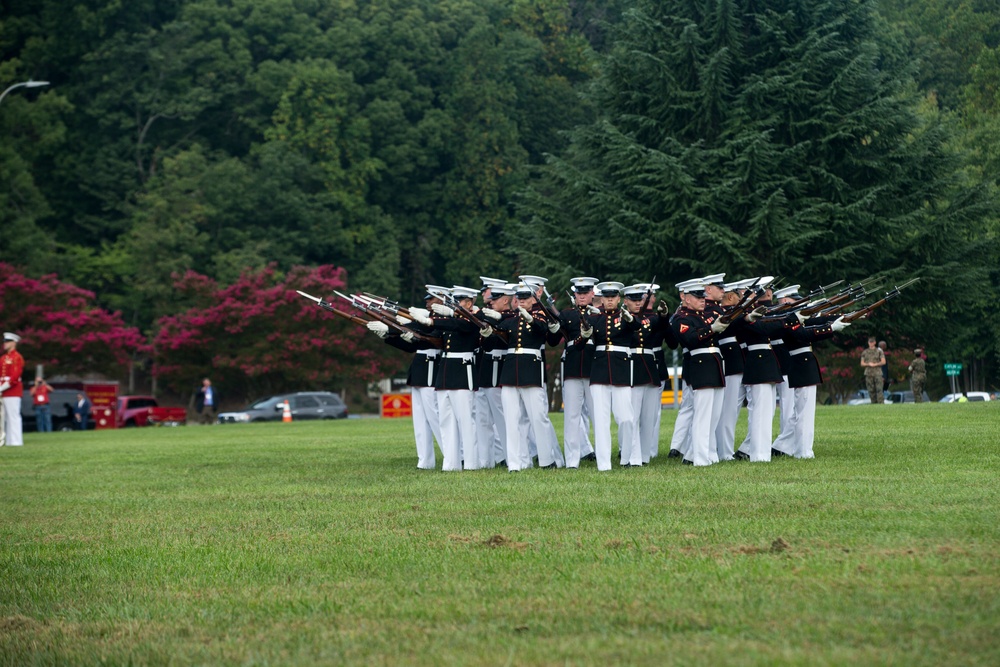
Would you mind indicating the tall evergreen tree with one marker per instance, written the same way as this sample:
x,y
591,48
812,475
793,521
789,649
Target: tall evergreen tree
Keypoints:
x,y
759,136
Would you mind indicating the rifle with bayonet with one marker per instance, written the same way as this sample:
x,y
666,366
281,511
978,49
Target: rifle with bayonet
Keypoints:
x,y
745,304
649,295
388,320
460,310
326,305
867,310
844,299
384,304
793,305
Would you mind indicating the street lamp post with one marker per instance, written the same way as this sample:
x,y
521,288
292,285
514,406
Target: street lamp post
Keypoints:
x,y
25,84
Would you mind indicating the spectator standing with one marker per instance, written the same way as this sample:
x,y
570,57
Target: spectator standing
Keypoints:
x,y
43,406
206,402
872,360
918,375
81,411
11,390
882,345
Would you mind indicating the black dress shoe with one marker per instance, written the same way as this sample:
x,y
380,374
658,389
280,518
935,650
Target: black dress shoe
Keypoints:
x,y
502,464
777,452
674,454
589,457
549,466
687,462
741,456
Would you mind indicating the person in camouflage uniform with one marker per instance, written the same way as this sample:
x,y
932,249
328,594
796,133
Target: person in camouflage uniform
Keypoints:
x,y
918,376
872,360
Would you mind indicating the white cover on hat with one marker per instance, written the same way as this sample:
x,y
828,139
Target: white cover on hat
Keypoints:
x,y
459,292
492,282
610,286
714,279
640,288
13,337
525,288
584,281
786,291
537,281
693,285
504,289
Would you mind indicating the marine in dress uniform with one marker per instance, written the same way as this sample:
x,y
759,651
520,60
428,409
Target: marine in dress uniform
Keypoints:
x,y
803,377
419,377
577,359
491,434
522,382
696,330
645,376
456,382
786,397
657,337
11,390
611,331
732,357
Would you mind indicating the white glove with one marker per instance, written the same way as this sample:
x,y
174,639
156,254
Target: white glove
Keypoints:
x,y
800,317
380,329
443,310
486,331
422,315
839,324
587,332
407,336
490,313
5,386
593,310
718,326
526,315
553,326
475,309
627,315
403,320
755,314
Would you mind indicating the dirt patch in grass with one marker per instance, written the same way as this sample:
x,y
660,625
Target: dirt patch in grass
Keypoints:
x,y
497,541
18,623
748,550
780,546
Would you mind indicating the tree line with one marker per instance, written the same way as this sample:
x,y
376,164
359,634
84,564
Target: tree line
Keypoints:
x,y
411,142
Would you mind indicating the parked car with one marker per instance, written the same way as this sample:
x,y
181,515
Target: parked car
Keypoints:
x,y
861,397
303,405
145,411
973,396
61,402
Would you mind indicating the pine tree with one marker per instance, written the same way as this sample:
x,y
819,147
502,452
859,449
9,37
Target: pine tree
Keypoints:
x,y
757,136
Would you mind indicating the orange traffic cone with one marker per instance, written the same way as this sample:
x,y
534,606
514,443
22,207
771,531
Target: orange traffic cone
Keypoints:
x,y
286,415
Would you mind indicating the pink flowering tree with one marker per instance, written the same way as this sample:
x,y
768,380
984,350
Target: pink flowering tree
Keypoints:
x,y
61,327
258,336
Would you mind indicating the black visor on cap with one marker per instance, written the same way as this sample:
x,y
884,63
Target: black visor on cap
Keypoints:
x,y
583,289
610,292
635,297
698,293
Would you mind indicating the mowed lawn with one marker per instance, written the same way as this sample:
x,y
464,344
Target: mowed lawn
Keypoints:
x,y
320,543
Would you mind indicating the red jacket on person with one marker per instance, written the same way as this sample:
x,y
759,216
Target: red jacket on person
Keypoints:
x,y
11,367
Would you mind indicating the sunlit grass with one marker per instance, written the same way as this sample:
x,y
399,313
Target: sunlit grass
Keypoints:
x,y
320,543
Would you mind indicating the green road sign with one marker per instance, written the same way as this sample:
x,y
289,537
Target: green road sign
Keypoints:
x,y
952,369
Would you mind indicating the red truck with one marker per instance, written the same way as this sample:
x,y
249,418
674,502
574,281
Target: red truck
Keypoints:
x,y
145,411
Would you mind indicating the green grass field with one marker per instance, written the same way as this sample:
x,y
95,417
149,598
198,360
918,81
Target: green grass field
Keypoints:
x,y
320,543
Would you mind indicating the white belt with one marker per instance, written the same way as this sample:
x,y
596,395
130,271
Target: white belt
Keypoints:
x,y
743,345
777,341
571,343
613,348
496,355
465,356
528,350
685,350
642,350
430,354
707,350
801,350
728,341
760,346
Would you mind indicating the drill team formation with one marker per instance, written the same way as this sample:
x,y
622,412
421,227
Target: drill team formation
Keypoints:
x,y
478,377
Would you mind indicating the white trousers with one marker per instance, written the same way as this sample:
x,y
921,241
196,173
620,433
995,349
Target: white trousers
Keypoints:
x,y
531,402
760,418
491,432
426,426
609,399
576,399
725,432
646,409
707,409
12,420
681,439
659,415
457,408
802,426
786,405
